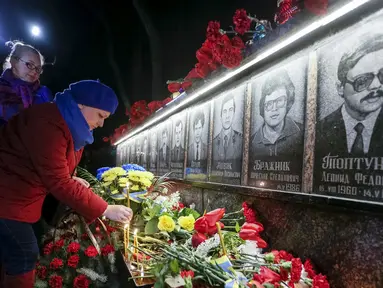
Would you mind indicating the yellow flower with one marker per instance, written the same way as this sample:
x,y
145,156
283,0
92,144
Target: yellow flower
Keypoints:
x,y
166,223
111,174
187,222
135,188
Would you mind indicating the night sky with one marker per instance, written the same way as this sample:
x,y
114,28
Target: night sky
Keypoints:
x,y
82,34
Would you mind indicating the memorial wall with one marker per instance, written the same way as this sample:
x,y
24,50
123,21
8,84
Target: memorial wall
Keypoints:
x,y
300,136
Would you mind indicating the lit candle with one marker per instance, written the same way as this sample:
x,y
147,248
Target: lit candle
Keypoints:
x,y
128,194
135,244
221,238
126,239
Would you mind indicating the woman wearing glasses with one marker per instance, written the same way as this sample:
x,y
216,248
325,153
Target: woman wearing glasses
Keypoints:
x,y
19,83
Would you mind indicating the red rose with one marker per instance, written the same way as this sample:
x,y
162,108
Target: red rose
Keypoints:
x,y
59,244
81,281
107,249
56,263
91,251
241,21
247,234
214,216
73,247
269,276
213,33
55,281
213,229
41,272
318,7
320,281
257,227
48,248
296,270
309,269
197,239
73,261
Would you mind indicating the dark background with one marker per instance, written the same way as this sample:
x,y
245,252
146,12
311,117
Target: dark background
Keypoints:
x,y
119,42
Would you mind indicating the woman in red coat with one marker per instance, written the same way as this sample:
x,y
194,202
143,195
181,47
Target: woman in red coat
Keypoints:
x,y
39,151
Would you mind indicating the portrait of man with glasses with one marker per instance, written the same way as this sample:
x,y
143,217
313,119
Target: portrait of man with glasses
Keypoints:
x,y
276,147
349,140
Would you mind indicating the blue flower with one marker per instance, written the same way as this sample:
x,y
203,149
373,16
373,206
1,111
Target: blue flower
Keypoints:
x,y
132,167
101,171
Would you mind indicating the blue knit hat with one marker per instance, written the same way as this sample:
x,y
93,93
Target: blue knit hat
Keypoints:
x,y
94,94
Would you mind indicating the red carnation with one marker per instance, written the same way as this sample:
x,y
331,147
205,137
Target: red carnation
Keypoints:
x,y
107,249
269,276
174,87
320,281
283,255
241,21
73,247
41,272
232,57
202,70
248,213
59,244
91,251
284,274
48,248
213,33
55,281
237,42
309,269
296,270
187,273
81,281
56,263
73,261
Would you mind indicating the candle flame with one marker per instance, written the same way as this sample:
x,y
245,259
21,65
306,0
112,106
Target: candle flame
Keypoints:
x,y
135,232
126,226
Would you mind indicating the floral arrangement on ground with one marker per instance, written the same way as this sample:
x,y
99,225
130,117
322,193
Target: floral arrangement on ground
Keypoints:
x,y
167,243
175,246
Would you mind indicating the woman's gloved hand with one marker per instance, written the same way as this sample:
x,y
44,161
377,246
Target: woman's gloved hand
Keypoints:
x,y
119,213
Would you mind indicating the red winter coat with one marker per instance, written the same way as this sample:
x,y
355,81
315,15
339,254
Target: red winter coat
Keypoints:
x,y
36,156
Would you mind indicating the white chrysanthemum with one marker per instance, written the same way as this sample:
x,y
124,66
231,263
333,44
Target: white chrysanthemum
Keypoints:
x,y
204,248
93,275
250,248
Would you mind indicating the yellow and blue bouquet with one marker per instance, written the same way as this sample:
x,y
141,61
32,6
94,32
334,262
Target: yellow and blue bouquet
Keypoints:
x,y
119,182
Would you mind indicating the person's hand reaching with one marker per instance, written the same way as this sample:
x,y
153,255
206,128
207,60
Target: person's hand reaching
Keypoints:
x,y
119,213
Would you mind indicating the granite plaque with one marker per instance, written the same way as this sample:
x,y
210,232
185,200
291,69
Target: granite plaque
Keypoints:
x,y
277,127
349,132
177,157
164,143
198,139
153,155
227,145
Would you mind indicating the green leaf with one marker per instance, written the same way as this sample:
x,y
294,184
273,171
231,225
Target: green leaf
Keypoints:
x,y
188,211
174,266
118,196
151,226
159,284
237,227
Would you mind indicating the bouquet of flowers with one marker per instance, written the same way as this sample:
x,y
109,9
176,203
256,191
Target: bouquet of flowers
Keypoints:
x,y
118,182
70,257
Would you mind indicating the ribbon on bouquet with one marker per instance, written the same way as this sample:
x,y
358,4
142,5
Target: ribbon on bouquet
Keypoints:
x,y
136,196
225,264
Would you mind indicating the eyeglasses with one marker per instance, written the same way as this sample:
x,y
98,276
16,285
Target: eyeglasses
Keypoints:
x,y
363,81
30,65
280,103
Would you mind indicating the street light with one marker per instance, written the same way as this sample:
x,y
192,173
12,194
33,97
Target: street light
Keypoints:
x,y
35,30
